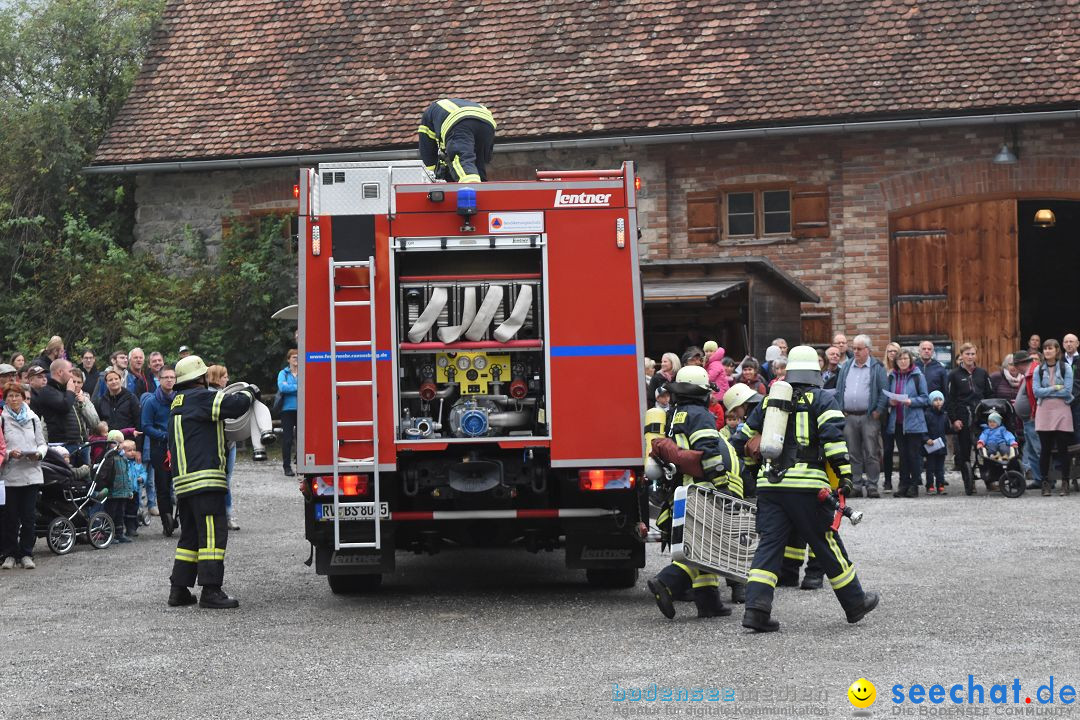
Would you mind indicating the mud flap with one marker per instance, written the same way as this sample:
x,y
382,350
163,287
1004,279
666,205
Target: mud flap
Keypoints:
x,y
604,550
353,562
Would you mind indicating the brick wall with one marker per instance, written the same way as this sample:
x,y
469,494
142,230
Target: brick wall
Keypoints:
x,y
868,176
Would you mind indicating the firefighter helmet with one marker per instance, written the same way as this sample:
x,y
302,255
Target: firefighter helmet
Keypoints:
x,y
803,367
189,368
740,394
691,384
694,375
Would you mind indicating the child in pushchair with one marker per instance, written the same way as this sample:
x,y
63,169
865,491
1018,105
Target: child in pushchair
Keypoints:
x,y
997,450
70,504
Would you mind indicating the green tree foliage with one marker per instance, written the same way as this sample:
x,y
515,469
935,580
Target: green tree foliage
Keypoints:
x,y
66,260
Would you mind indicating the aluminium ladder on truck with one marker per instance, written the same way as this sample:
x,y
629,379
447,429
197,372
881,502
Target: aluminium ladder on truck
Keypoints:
x,y
369,464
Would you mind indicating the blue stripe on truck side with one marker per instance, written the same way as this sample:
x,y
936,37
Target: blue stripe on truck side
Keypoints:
x,y
592,350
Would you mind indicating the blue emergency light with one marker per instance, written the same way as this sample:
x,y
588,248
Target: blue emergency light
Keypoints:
x,y
466,202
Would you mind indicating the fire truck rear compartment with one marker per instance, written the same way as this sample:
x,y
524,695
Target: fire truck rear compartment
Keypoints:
x,y
471,360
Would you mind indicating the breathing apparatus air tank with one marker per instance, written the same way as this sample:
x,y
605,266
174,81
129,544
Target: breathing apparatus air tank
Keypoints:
x,y
774,426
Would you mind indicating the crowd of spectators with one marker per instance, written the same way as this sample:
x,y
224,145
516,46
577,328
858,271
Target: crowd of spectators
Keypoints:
x,y
77,407
905,402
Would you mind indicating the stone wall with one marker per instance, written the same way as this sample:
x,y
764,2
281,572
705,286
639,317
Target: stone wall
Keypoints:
x,y
178,211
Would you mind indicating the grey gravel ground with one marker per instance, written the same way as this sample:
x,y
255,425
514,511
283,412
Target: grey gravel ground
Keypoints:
x,y
980,585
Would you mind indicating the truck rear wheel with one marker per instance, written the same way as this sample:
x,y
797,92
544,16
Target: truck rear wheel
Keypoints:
x,y
354,584
612,577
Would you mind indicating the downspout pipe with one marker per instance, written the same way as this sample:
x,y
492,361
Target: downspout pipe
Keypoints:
x,y
595,142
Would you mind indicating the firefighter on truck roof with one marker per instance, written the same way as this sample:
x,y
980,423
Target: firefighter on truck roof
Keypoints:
x,y
805,432
692,427
197,447
457,139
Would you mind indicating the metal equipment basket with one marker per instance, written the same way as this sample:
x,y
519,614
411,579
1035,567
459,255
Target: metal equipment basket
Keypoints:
x,y
713,531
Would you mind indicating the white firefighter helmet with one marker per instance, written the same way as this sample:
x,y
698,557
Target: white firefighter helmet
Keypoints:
x,y
189,368
693,375
739,394
803,367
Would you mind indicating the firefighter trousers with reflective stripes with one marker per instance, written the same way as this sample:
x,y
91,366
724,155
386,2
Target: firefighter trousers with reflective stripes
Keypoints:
x,y
679,577
469,147
779,513
204,532
794,554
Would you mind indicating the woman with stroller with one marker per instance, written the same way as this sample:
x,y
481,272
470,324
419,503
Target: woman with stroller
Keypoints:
x,y
24,437
1052,384
906,420
968,384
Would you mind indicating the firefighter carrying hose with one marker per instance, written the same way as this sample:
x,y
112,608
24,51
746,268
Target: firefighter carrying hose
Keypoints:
x,y
457,139
801,433
690,426
197,448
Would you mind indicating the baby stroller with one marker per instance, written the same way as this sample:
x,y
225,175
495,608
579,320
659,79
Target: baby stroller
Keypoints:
x,y
70,508
1005,470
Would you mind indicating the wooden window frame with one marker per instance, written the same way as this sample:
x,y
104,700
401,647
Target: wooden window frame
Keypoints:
x,y
758,191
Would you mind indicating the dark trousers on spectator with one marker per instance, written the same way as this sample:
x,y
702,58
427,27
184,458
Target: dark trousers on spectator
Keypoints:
x,y
935,469
288,430
124,514
888,442
162,477
1048,441
963,447
19,513
910,445
1076,416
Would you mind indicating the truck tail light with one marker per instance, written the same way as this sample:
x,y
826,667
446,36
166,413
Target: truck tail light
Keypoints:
x,y
605,479
348,485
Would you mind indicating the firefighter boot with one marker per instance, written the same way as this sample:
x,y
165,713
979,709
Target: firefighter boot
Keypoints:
x,y
179,596
812,580
666,585
709,603
738,593
759,621
214,597
870,601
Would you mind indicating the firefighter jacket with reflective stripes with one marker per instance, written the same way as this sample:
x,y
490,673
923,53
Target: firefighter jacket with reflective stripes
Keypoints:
x,y
815,435
197,437
439,119
693,427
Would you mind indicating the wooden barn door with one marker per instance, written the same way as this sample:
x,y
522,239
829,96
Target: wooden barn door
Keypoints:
x,y
954,276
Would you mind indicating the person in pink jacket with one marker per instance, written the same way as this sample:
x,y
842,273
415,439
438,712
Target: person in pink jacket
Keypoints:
x,y
715,366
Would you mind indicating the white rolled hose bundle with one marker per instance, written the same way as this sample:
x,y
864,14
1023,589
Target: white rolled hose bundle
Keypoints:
x,y
468,313
485,314
428,317
510,327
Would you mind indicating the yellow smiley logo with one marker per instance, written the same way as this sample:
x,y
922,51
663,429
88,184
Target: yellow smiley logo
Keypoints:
x,y
862,693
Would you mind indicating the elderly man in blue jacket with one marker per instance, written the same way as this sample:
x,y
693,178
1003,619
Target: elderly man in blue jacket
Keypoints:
x,y
859,392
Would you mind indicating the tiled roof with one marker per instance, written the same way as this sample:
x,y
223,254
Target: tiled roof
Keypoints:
x,y
231,78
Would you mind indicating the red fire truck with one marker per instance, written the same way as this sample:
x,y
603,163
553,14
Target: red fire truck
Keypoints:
x,y
469,368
